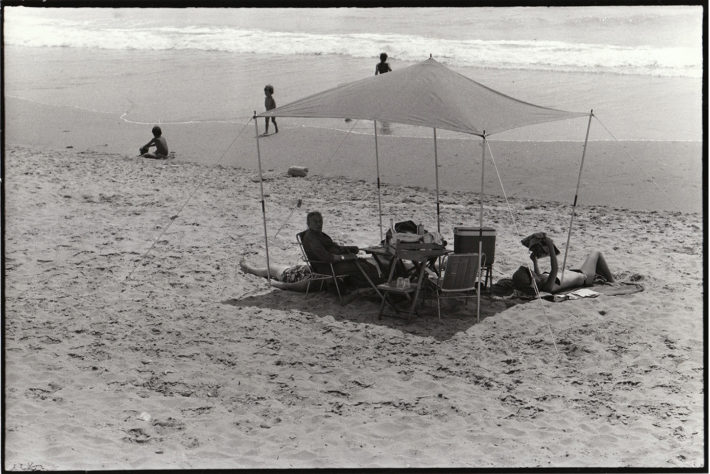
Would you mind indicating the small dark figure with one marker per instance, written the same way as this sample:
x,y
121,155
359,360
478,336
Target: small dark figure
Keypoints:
x,y
380,68
383,66
270,103
160,144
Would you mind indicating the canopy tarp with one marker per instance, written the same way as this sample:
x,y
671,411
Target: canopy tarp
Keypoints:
x,y
426,94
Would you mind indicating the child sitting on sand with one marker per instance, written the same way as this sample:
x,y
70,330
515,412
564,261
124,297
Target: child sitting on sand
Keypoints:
x,y
160,144
541,245
270,103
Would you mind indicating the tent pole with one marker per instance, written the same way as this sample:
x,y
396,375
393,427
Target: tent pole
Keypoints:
x,y
261,190
436,173
480,230
377,164
576,193
480,198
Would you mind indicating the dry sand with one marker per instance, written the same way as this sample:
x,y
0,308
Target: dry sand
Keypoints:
x,y
133,341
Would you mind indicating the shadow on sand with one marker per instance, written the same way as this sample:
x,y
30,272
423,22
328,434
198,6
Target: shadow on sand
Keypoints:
x,y
455,315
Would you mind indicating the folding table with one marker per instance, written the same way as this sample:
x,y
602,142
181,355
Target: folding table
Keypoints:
x,y
419,255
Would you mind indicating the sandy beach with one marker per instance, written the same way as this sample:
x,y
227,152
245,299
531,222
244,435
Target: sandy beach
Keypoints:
x,y
132,340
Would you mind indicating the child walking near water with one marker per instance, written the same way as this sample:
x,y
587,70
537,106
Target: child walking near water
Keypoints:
x,y
270,103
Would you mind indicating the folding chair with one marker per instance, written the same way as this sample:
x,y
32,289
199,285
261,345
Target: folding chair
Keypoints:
x,y
316,276
458,279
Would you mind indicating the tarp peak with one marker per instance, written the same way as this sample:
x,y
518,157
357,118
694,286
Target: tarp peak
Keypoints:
x,y
426,94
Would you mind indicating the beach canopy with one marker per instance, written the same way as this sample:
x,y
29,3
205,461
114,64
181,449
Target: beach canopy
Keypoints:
x,y
426,94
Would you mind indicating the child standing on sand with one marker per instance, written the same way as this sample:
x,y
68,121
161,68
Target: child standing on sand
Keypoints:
x,y
381,68
270,103
160,144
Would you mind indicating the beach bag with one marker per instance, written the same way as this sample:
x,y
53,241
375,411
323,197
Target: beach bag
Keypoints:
x,y
404,238
406,227
405,231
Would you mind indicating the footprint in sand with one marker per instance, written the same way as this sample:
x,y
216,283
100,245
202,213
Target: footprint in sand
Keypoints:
x,y
163,427
137,435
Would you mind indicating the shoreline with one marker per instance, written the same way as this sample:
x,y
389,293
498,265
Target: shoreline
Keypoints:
x,y
539,161
134,342
630,174
201,85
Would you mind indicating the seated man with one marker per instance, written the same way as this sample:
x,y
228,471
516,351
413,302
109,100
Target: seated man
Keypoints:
x,y
320,247
542,246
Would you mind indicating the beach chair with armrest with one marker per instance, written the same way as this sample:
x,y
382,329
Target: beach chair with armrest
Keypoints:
x,y
317,276
458,280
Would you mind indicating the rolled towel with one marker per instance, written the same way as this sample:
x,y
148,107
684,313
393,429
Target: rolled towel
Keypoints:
x,y
297,171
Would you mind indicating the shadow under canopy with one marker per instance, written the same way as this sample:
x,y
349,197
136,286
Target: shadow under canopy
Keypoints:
x,y
426,94
303,310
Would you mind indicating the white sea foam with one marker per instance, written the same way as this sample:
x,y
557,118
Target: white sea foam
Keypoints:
x,y
543,54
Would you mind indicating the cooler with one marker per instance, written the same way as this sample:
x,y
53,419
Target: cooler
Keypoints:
x,y
466,241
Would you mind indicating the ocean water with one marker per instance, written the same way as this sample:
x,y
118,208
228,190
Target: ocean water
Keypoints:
x,y
659,41
638,68
100,78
